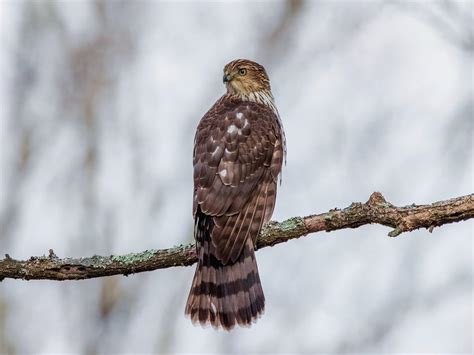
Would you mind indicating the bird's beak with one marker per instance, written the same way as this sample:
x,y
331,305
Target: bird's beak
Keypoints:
x,y
227,78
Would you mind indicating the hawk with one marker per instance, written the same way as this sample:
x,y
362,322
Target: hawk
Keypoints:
x,y
239,149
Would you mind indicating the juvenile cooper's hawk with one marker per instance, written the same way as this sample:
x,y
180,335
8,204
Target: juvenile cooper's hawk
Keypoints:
x,y
239,149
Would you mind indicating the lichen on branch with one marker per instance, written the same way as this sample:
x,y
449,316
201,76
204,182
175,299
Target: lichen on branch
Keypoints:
x,y
376,210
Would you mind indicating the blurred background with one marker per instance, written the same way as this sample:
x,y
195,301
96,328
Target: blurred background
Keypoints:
x,y
99,101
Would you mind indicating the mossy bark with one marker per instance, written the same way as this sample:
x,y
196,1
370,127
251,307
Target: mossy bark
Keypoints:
x,y
375,210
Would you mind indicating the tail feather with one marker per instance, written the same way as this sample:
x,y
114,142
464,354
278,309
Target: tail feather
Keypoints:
x,y
224,295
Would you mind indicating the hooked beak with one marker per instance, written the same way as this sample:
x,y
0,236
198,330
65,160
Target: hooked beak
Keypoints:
x,y
227,78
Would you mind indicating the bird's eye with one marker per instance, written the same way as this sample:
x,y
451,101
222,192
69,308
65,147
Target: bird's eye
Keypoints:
x,y
242,71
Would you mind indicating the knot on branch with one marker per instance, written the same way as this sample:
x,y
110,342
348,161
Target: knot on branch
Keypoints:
x,y
376,199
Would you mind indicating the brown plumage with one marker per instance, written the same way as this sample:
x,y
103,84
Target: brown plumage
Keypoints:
x,y
238,154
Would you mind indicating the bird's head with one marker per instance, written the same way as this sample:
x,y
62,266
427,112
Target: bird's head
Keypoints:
x,y
244,77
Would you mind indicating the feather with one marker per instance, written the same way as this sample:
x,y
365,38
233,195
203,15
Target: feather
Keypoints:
x,y
238,154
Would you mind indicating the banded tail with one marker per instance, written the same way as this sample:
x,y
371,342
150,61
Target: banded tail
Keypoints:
x,y
223,295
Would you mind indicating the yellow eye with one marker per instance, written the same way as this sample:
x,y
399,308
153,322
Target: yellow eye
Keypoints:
x,y
242,71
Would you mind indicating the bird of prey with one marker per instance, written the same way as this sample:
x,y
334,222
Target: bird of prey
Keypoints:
x,y
239,149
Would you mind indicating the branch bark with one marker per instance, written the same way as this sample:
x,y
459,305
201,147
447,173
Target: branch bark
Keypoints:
x,y
376,210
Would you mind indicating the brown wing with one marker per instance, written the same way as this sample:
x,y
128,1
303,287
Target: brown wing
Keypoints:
x,y
237,158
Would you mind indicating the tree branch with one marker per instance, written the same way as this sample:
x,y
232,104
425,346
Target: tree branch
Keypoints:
x,y
375,210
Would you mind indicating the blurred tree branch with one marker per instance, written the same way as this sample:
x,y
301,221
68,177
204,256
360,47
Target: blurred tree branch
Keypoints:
x,y
452,19
376,210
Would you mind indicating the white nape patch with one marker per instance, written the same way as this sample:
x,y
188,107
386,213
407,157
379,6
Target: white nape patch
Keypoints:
x,y
223,173
239,115
262,97
231,129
